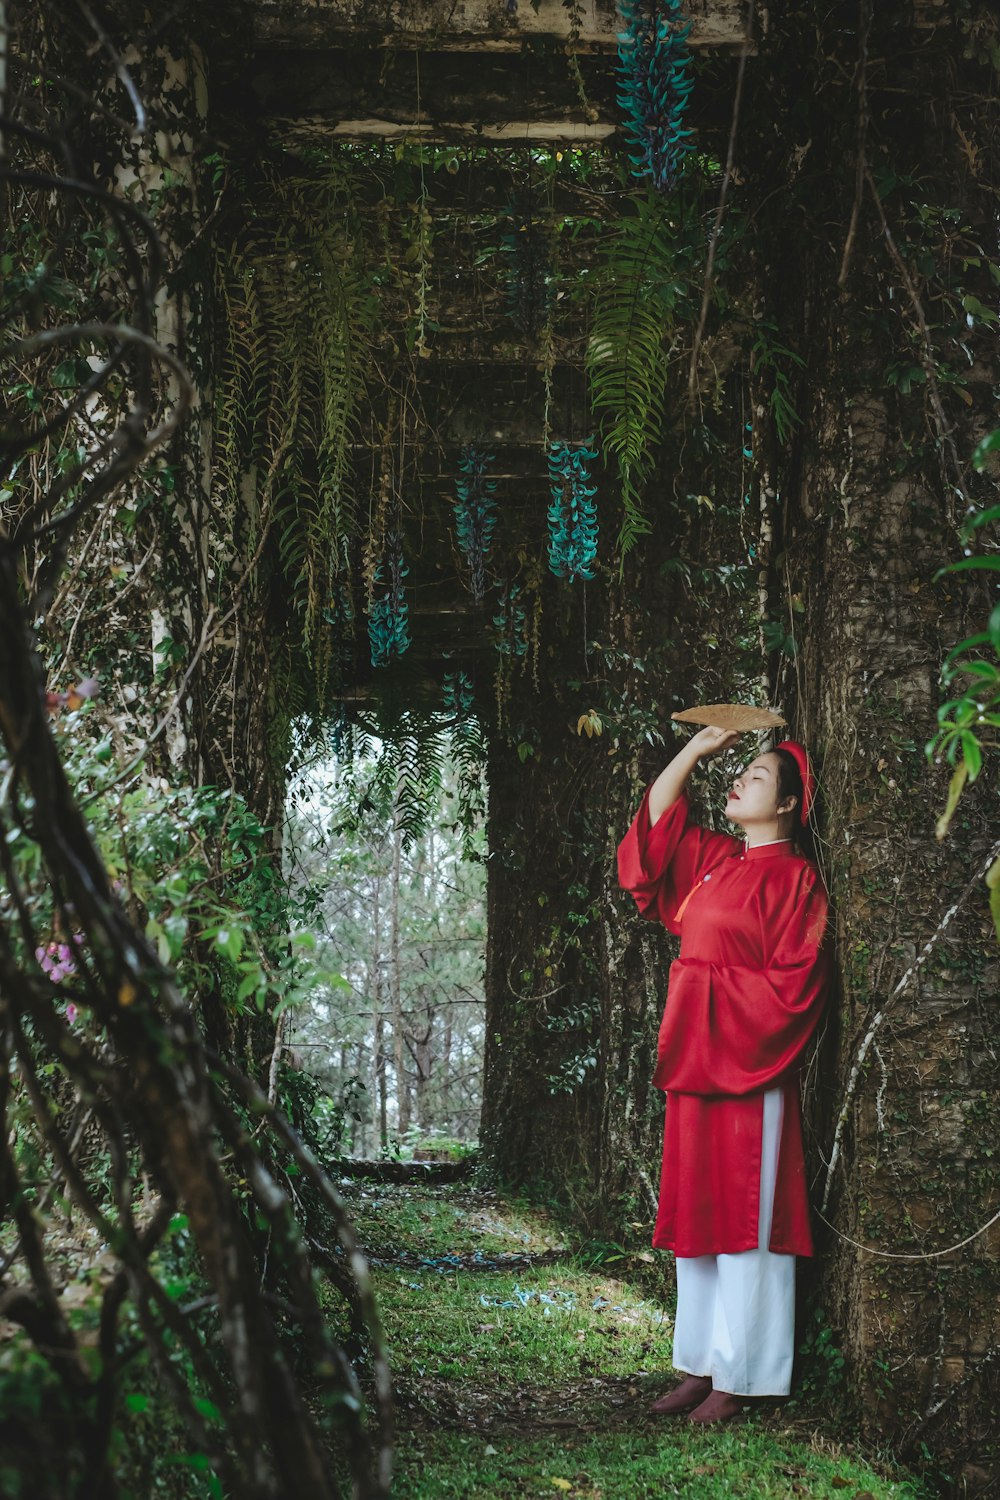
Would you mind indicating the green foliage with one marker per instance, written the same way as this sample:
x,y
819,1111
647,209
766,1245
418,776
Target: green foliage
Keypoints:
x,y
770,359
642,300
468,749
417,939
195,870
151,1451
822,1367
974,665
299,316
573,1074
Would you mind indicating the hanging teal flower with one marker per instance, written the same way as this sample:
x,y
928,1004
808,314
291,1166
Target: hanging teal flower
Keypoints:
x,y
511,622
573,512
653,64
475,513
459,696
388,633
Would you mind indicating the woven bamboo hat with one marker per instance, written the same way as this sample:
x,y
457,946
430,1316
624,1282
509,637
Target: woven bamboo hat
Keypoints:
x,y
739,716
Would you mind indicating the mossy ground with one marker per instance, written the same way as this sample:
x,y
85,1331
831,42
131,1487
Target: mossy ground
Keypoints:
x,y
531,1377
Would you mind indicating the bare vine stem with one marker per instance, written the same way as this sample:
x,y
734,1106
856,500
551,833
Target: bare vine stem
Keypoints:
x,y
706,291
921,1255
926,346
865,14
880,1015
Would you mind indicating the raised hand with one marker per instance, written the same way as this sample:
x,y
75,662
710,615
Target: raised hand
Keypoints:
x,y
712,740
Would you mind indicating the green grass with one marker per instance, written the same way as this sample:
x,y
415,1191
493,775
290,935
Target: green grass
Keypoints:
x,y
554,1324
752,1461
534,1380
435,1221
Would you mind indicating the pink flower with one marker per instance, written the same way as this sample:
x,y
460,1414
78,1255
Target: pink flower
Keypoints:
x,y
56,959
71,1013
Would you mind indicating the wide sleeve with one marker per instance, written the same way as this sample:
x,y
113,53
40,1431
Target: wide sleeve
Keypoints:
x,y
660,862
736,1029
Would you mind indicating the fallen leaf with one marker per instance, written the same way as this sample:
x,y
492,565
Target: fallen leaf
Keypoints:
x,y
77,695
562,1484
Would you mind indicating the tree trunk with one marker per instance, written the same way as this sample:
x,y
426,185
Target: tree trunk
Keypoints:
x,y
395,986
895,393
380,1125
574,980
540,1066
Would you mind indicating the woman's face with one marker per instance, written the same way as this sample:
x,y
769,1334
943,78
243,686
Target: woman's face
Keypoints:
x,y
753,798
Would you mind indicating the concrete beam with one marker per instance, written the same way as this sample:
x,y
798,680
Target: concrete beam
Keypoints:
x,y
461,25
357,93
510,133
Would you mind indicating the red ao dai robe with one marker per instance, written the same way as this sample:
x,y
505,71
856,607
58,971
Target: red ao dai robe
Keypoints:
x,y
743,1000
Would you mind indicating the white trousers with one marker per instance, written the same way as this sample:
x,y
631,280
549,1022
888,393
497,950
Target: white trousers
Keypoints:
x,y
736,1313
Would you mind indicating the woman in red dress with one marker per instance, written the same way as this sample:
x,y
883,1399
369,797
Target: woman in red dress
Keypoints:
x,y
743,1001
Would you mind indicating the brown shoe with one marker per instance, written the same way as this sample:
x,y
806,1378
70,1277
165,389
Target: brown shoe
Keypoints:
x,y
720,1407
690,1393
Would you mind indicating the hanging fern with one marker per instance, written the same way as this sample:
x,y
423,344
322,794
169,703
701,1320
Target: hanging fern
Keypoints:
x,y
573,512
653,65
388,631
475,513
293,369
640,287
468,749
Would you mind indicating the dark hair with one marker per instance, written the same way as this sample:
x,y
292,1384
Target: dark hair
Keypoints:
x,y
790,785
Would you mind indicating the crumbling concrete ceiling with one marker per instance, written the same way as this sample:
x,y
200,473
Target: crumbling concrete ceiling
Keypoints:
x,y
463,25
491,74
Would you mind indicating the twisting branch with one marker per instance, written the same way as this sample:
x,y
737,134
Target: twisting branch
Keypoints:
x,y
232,1362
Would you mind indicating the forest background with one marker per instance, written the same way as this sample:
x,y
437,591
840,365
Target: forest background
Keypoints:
x,y
342,430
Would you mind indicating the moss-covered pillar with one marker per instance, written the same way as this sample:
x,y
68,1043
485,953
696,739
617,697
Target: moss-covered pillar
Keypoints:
x,y
575,979
875,270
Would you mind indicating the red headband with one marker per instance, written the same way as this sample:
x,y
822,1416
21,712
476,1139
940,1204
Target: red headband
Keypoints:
x,y
798,752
